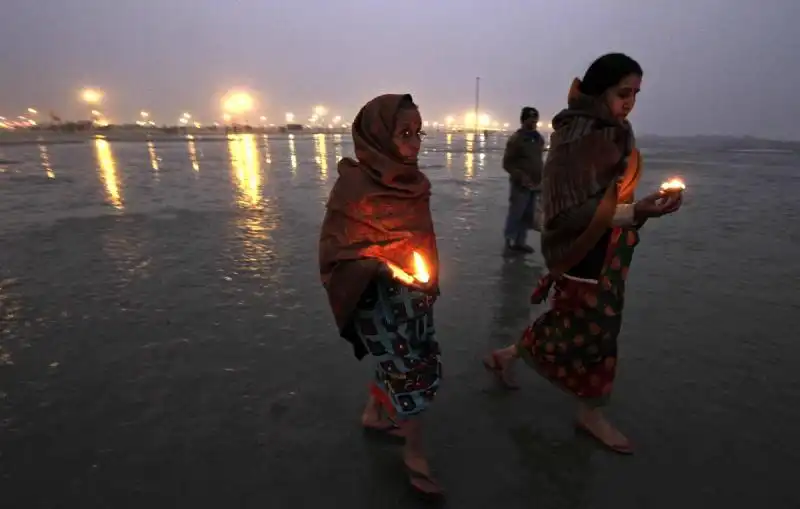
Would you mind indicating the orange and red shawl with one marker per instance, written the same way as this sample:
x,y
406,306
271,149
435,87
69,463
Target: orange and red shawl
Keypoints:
x,y
591,155
378,211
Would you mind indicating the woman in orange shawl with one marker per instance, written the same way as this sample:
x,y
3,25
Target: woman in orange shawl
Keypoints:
x,y
377,232
591,227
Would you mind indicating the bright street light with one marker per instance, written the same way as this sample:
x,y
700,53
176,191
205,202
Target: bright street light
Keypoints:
x,y
290,118
91,95
483,120
237,102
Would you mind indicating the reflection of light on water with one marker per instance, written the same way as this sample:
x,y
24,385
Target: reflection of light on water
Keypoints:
x,y
449,156
246,168
481,160
45,157
108,171
337,147
267,156
193,153
292,153
151,149
258,253
321,155
469,159
259,218
469,162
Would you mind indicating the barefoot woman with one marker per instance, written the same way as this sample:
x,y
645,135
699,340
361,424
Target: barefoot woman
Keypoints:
x,y
378,213
591,229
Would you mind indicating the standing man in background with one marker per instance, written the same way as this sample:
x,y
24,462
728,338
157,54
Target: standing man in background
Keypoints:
x,y
523,162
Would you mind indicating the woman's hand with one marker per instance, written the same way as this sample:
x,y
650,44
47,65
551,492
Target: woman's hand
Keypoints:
x,y
657,204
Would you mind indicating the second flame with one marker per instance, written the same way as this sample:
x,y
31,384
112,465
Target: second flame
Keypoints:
x,y
674,184
421,273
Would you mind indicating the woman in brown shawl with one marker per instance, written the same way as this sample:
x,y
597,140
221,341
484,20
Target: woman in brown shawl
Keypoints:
x,y
378,262
591,225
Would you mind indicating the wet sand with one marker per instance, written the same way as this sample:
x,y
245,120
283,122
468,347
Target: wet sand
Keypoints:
x,y
166,343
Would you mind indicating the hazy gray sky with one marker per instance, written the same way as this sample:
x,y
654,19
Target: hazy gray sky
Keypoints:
x,y
711,66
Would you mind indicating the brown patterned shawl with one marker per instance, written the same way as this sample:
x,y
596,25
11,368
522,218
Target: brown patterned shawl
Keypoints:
x,y
587,161
378,211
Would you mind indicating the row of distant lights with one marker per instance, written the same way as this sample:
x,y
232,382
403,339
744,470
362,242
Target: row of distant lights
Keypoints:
x,y
240,102
186,120
234,103
20,121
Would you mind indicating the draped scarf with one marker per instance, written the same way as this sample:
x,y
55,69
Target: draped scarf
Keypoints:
x,y
591,163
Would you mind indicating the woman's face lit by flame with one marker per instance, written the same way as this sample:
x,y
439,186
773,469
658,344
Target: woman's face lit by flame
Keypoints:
x,y
621,98
408,134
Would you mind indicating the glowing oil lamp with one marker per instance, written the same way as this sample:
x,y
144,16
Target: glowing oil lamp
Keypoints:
x,y
421,273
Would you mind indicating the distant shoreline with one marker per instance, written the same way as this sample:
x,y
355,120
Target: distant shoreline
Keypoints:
x,y
51,137
48,137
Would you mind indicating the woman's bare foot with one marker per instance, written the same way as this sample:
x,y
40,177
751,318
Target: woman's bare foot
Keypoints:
x,y
592,421
499,363
373,419
416,463
419,475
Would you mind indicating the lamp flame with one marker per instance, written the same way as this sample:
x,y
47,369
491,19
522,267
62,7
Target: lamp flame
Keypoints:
x,y
672,185
421,272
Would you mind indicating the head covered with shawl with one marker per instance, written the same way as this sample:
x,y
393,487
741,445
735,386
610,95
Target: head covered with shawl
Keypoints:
x,y
378,210
592,162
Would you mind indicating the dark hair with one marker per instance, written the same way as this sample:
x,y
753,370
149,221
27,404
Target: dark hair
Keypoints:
x,y
607,71
528,112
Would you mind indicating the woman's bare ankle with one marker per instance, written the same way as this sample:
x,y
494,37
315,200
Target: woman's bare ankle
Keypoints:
x,y
372,412
589,415
506,355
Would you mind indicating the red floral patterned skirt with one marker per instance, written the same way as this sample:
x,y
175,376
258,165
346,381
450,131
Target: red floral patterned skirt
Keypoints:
x,y
574,343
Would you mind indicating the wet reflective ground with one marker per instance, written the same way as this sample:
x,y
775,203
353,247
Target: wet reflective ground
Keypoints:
x,y
166,343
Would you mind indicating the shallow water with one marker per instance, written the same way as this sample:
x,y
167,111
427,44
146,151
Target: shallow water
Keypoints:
x,y
166,343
